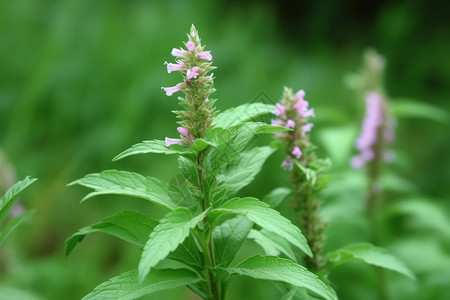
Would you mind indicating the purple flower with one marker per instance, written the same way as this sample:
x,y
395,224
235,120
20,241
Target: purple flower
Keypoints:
x,y
190,45
170,141
205,55
307,127
173,89
309,113
186,133
300,95
193,73
297,152
287,163
276,123
290,124
174,67
373,120
357,162
279,110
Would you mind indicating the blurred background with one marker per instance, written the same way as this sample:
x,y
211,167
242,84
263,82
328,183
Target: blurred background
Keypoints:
x,y
80,82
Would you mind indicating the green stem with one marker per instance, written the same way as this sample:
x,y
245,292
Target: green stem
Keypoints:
x,y
373,204
207,242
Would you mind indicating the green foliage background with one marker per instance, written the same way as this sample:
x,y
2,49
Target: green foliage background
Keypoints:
x,y
80,82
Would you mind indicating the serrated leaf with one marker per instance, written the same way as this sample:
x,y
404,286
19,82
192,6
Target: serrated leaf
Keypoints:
x,y
153,146
228,149
228,238
129,226
411,108
279,269
188,169
275,197
127,286
8,199
6,230
242,113
272,243
128,184
369,254
266,217
188,253
243,169
171,231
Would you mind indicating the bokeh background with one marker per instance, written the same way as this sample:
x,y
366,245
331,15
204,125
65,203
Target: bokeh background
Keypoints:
x,y
80,82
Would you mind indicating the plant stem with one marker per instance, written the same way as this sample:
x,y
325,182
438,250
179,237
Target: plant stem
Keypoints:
x,y
207,242
373,204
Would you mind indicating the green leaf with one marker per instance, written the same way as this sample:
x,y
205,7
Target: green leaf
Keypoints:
x,y
279,269
129,184
310,174
229,148
188,253
411,108
188,169
241,171
242,113
127,286
8,199
339,143
201,144
272,243
369,254
172,230
153,146
266,217
129,226
423,214
228,238
232,144
6,230
275,197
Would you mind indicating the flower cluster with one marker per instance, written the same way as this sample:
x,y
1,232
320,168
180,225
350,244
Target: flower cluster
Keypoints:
x,y
293,112
194,63
377,130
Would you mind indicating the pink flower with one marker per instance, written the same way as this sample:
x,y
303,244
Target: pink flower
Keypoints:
x,y
357,162
179,52
309,113
186,133
174,67
307,127
170,141
276,123
297,152
173,89
190,45
300,95
279,110
301,106
193,73
290,124
287,163
205,55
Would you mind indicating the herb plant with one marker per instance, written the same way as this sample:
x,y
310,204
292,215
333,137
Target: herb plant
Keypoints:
x,y
206,224
308,179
